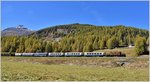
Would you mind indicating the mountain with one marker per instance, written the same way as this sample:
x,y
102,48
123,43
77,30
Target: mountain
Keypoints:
x,y
59,31
76,29
75,38
16,31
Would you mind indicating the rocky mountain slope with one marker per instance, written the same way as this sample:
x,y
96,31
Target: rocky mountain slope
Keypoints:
x,y
16,31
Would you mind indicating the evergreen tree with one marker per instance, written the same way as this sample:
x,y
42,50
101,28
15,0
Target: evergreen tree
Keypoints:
x,y
88,48
147,41
48,48
95,44
111,43
140,45
102,44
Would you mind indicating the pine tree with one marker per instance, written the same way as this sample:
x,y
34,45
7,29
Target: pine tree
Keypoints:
x,y
48,48
88,48
147,41
95,44
102,44
140,45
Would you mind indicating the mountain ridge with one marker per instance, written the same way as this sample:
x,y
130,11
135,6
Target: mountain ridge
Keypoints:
x,y
63,30
16,31
75,38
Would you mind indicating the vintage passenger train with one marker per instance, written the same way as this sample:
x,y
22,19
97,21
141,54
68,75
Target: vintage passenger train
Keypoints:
x,y
61,54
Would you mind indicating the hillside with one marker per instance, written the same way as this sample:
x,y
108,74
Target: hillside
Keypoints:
x,y
58,31
16,31
77,29
126,35
74,37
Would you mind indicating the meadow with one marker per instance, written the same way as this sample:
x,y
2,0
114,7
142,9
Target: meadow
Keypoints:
x,y
130,52
74,69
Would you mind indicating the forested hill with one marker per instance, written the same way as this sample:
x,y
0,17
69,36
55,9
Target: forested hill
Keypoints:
x,y
84,29
74,37
58,31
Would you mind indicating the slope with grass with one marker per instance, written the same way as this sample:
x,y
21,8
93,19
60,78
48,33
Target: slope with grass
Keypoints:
x,y
130,52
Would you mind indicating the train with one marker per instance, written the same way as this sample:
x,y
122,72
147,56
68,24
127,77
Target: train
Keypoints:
x,y
61,54
71,54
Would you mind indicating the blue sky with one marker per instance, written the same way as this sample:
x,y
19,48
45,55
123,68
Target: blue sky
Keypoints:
x,y
38,15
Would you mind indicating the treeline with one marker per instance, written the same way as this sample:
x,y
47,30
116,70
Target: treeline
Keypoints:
x,y
81,38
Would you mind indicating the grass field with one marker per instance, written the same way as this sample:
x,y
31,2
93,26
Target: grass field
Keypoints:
x,y
74,68
130,52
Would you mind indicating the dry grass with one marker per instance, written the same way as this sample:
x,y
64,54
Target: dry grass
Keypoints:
x,y
73,68
128,51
